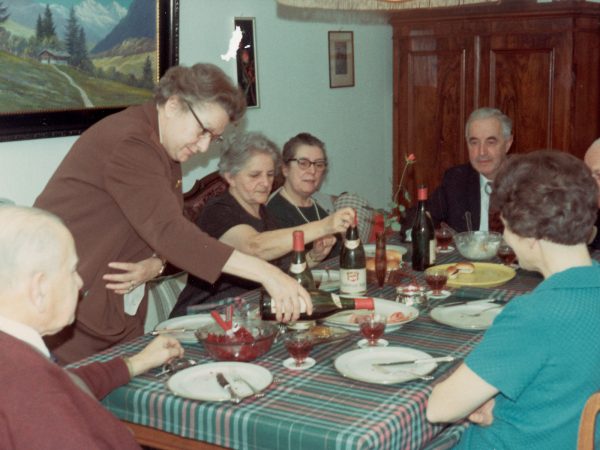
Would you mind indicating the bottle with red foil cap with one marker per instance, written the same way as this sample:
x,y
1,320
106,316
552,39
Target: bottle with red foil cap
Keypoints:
x,y
422,234
353,263
324,305
298,268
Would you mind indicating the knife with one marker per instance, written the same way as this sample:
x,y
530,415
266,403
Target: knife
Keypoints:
x,y
481,300
234,397
170,330
417,361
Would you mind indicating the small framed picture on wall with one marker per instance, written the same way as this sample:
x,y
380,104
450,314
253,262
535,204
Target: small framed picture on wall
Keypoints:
x,y
247,73
341,59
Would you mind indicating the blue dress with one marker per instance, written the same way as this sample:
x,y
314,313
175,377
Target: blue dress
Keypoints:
x,y
543,355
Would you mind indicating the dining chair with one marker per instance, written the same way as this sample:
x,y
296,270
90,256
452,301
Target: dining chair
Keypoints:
x,y
202,191
587,424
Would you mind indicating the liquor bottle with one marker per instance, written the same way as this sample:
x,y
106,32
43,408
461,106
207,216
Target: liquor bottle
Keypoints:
x,y
324,305
423,235
353,264
298,268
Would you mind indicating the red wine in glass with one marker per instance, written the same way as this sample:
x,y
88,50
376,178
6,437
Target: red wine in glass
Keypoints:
x,y
444,238
299,348
372,328
506,254
436,280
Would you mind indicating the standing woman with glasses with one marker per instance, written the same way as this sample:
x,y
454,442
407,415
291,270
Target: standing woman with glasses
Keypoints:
x,y
118,191
304,168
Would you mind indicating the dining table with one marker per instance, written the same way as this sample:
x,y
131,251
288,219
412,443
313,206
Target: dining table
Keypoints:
x,y
318,408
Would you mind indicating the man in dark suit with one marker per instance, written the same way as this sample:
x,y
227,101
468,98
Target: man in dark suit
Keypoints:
x,y
465,188
592,160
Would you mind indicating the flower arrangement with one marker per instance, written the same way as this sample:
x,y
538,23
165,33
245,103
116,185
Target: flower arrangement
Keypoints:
x,y
397,210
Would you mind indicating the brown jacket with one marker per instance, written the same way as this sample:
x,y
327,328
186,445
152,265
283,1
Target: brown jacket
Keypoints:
x,y
119,193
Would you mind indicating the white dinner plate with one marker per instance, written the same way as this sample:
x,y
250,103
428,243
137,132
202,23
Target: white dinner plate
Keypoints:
x,y
193,322
370,250
328,280
359,365
200,382
461,316
382,306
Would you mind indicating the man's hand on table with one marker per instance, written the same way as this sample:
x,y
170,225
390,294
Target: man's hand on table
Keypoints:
x,y
156,353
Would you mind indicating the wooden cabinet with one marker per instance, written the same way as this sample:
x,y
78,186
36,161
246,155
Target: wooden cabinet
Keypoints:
x,y
538,63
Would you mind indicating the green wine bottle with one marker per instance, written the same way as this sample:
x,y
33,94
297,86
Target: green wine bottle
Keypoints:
x,y
353,264
298,268
422,235
324,305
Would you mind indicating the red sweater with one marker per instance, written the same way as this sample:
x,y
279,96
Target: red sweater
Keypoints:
x,y
42,408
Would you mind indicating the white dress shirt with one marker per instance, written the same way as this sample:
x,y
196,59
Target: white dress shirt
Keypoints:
x,y
24,333
485,203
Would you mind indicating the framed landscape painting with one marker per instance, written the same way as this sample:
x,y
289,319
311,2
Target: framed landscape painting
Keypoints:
x,y
69,63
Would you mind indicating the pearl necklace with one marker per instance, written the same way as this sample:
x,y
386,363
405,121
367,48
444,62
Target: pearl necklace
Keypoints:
x,y
287,196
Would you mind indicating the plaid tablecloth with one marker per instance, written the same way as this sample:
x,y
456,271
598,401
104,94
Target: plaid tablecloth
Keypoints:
x,y
317,408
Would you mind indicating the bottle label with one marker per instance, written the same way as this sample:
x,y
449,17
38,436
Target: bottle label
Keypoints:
x,y
352,244
432,246
353,281
297,268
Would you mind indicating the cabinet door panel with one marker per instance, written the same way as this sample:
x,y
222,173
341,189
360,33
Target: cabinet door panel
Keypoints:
x,y
524,77
433,97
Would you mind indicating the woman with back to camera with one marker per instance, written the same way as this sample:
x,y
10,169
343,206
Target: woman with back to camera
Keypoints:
x,y
525,384
118,191
238,218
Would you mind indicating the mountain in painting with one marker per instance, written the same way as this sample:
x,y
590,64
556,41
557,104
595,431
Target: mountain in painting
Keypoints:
x,y
97,17
140,22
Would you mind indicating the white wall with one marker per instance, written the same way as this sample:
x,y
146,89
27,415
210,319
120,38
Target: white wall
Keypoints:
x,y
293,75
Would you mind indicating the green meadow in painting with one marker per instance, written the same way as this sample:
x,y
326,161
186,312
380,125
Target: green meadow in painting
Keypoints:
x,y
73,54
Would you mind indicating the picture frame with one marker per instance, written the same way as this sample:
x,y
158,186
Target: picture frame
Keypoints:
x,y
246,57
341,59
39,122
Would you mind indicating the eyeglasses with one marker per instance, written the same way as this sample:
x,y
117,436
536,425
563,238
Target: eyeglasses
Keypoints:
x,y
205,131
304,164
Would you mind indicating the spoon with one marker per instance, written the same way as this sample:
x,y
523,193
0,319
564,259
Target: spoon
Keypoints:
x,y
469,222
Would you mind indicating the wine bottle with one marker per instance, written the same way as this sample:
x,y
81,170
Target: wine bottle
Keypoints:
x,y
324,305
353,264
298,268
423,235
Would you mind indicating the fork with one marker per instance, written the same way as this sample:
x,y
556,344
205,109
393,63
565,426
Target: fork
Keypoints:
x,y
409,372
477,314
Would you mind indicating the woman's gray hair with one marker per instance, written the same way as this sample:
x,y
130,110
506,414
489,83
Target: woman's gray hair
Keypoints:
x,y
201,83
488,113
234,158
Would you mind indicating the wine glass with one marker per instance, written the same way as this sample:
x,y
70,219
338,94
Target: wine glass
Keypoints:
x,y
380,259
299,346
436,280
372,327
443,237
506,254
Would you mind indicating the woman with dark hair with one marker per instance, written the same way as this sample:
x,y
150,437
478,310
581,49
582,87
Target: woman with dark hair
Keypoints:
x,y
238,218
118,190
304,168
525,384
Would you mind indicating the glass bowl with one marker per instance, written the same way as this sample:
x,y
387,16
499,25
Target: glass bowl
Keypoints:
x,y
478,245
243,346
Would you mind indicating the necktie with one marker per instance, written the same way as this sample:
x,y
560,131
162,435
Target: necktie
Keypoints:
x,y
494,221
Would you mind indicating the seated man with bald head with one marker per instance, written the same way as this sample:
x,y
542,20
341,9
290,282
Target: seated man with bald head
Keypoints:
x,y
42,405
592,160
